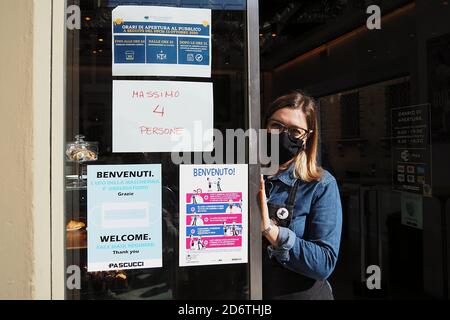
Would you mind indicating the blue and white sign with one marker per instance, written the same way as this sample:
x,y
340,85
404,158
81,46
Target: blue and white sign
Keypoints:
x,y
124,217
161,41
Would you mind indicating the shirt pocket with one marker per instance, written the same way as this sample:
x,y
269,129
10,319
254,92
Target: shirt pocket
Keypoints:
x,y
298,225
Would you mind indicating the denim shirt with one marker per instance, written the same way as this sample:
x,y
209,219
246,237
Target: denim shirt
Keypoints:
x,y
310,245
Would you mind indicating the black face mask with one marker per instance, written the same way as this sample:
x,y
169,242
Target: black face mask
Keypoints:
x,y
288,147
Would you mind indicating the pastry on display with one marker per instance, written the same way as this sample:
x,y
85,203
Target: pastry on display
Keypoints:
x,y
82,151
121,275
114,274
75,225
76,235
82,155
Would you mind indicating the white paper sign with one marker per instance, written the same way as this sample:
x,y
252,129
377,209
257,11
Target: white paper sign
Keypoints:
x,y
161,41
213,214
412,210
124,217
162,116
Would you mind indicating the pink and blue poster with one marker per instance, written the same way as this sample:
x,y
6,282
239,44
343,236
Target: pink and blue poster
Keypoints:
x,y
213,214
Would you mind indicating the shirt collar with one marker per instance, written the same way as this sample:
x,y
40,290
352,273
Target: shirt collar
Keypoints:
x,y
286,176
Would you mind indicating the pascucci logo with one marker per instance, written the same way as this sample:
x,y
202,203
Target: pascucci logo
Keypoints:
x,y
126,264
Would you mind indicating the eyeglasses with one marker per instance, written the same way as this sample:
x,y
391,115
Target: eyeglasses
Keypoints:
x,y
293,132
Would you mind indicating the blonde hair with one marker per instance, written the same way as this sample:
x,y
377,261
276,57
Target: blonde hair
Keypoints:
x,y
306,166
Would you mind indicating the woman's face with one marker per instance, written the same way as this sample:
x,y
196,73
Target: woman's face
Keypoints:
x,y
289,118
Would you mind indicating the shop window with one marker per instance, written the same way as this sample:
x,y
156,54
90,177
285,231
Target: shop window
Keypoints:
x,y
90,127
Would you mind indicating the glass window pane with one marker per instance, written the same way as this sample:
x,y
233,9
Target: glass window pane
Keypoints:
x,y
380,71
89,113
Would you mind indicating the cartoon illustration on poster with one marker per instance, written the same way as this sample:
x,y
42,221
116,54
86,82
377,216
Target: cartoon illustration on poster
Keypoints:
x,y
124,217
213,214
161,41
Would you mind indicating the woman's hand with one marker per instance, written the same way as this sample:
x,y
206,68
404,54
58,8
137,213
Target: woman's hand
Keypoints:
x,y
272,235
265,220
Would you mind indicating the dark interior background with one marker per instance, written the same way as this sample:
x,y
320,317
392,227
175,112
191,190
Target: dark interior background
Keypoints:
x,y
358,76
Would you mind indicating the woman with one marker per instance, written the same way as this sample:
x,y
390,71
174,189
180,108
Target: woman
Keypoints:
x,y
301,208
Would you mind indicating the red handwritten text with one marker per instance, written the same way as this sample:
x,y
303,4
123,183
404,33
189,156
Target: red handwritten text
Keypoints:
x,y
155,94
158,131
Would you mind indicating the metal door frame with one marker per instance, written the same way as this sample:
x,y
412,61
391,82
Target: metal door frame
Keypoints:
x,y
254,118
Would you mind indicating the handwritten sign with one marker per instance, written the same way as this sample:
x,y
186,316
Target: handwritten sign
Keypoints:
x,y
162,116
161,41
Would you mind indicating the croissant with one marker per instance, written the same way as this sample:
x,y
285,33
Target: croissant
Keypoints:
x,y
75,225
